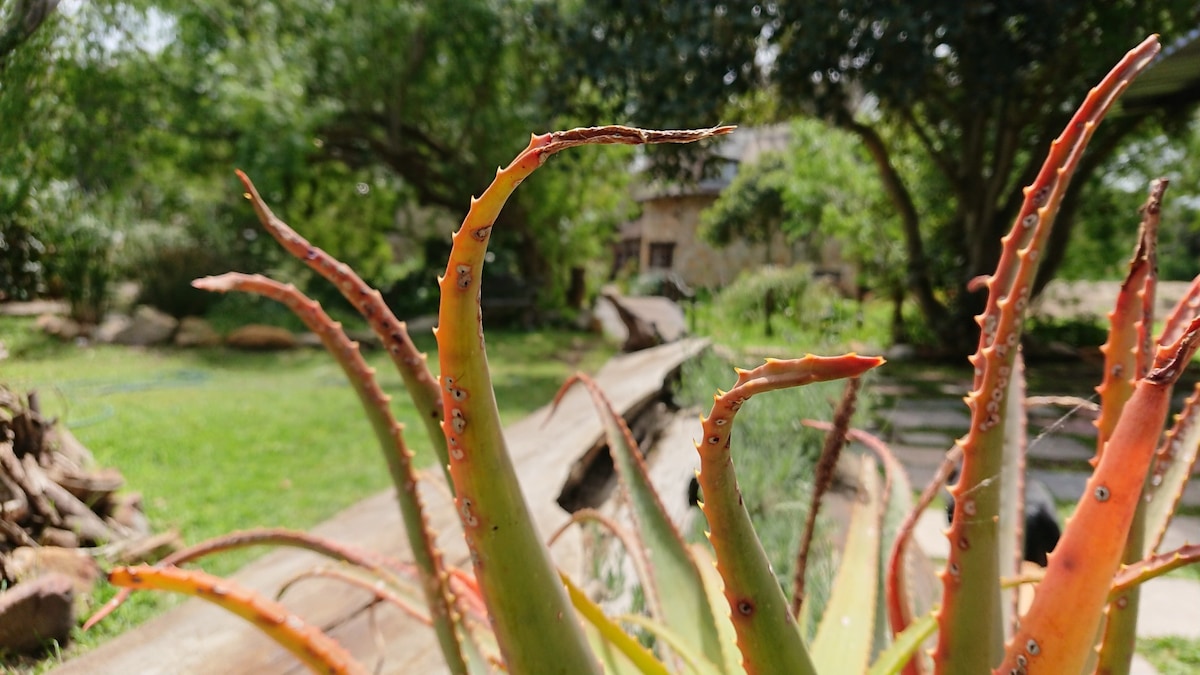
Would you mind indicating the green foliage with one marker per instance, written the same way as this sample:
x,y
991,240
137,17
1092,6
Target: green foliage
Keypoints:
x,y
967,94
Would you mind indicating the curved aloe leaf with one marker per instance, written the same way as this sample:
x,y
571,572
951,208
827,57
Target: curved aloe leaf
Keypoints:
x,y
388,432
902,650
611,634
409,361
1120,623
530,611
766,630
1081,568
846,633
970,639
694,662
1010,549
1172,471
317,650
1154,566
674,586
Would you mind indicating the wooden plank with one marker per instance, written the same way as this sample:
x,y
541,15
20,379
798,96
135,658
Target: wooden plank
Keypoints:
x,y
199,638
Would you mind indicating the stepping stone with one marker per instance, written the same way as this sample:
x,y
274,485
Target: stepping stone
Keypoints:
x,y
1067,486
1060,448
928,439
928,414
1169,606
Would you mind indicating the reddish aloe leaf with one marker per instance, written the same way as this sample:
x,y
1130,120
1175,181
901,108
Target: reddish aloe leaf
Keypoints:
x,y
1173,466
1154,566
1081,568
835,440
390,435
1126,353
410,362
369,584
971,633
1120,626
317,650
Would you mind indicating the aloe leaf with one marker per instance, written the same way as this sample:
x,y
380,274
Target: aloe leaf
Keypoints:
x,y
1154,566
1010,549
846,633
371,585
410,362
766,630
1120,624
673,586
906,645
835,441
317,650
970,639
528,606
611,634
1172,471
714,588
390,435
1082,566
694,662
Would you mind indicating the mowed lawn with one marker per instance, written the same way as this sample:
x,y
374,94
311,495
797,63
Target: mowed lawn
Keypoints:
x,y
217,440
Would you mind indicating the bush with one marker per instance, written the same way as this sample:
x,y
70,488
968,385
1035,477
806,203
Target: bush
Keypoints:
x,y
761,295
79,266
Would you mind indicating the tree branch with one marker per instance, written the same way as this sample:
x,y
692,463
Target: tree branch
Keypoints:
x,y
26,17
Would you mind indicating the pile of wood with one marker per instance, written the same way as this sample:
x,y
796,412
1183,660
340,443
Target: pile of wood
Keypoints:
x,y
59,512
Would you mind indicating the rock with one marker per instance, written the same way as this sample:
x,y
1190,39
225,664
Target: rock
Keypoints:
x,y
257,337
37,611
148,327
196,332
59,326
110,327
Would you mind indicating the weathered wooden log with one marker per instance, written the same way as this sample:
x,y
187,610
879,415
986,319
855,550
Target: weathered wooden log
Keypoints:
x,y
33,489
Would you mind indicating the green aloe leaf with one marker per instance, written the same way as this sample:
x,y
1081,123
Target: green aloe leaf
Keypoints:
x,y
846,633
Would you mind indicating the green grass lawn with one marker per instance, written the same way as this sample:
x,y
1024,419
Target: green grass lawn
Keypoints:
x,y
217,440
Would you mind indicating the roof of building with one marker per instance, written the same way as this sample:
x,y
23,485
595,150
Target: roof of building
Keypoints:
x,y
1173,79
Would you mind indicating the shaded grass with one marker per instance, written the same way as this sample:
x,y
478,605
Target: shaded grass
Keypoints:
x,y
217,440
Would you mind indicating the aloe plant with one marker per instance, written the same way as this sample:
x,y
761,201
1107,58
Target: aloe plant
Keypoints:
x,y
720,609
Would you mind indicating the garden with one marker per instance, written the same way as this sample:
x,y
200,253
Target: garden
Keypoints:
x,y
959,349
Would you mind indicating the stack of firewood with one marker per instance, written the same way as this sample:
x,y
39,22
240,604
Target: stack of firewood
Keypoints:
x,y
59,512
52,493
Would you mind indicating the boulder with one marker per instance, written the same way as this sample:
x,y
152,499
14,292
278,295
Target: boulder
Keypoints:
x,y
257,337
110,327
196,332
148,327
35,612
60,327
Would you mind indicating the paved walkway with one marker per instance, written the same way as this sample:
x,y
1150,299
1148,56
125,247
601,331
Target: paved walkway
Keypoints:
x,y
921,422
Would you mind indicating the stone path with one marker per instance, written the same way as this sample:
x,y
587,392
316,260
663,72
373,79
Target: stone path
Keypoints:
x,y
921,423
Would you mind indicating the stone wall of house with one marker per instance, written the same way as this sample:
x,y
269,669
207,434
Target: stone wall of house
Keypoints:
x,y
674,221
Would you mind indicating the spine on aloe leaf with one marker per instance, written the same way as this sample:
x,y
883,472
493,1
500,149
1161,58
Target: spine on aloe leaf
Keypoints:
x,y
971,635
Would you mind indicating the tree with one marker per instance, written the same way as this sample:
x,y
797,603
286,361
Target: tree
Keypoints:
x,y
982,87
823,188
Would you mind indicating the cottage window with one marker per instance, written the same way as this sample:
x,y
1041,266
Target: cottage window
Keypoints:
x,y
662,255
